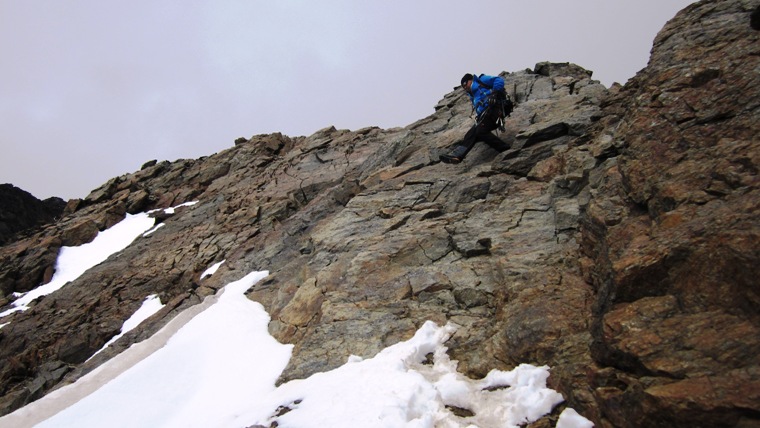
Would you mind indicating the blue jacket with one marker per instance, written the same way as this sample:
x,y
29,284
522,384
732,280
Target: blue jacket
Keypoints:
x,y
479,92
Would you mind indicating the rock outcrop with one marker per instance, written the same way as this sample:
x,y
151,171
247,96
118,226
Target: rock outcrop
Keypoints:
x,y
672,234
20,211
616,242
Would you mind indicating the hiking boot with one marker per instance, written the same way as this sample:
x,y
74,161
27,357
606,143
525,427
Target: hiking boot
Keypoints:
x,y
450,159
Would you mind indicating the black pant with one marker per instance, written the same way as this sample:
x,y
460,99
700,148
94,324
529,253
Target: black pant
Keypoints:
x,y
481,131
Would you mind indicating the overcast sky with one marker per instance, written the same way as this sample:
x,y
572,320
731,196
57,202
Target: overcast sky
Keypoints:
x,y
92,89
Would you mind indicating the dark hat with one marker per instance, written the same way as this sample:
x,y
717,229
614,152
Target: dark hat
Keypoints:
x,y
465,78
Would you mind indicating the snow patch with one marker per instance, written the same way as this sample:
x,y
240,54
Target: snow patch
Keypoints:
x,y
186,204
397,388
153,229
206,374
212,270
150,306
569,418
72,262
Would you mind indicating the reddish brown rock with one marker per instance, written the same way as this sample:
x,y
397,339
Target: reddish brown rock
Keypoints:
x,y
674,230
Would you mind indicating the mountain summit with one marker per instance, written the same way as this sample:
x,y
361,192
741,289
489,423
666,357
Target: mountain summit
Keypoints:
x,y
616,241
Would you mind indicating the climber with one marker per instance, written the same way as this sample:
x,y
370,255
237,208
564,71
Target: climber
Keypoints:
x,y
491,105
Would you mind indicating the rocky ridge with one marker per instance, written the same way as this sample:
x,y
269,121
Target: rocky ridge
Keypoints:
x,y
22,211
616,241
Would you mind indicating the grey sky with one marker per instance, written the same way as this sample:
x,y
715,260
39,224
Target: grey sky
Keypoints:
x,y
92,89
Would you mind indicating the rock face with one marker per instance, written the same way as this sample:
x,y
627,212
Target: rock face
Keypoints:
x,y
615,242
19,211
674,257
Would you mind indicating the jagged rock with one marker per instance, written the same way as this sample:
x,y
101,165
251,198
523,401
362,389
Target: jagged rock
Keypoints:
x,y
616,242
562,69
673,231
20,211
148,164
79,233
